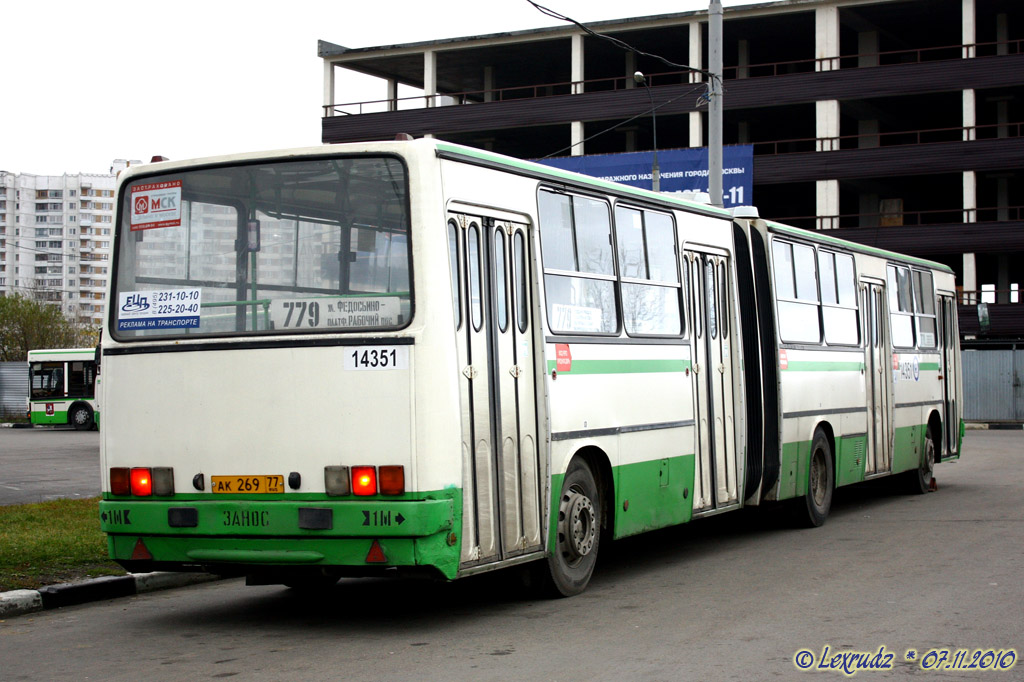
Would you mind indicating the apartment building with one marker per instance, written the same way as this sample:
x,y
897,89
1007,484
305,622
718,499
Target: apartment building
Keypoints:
x,y
894,123
55,238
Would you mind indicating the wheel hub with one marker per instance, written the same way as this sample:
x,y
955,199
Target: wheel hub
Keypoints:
x,y
579,524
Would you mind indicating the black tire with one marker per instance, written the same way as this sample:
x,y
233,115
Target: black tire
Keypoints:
x,y
578,534
919,481
817,501
80,417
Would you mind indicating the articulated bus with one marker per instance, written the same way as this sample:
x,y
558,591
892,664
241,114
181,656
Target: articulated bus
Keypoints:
x,y
412,356
62,387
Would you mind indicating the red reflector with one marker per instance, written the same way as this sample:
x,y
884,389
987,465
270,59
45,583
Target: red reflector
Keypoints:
x,y
142,482
364,480
374,556
120,481
140,551
392,480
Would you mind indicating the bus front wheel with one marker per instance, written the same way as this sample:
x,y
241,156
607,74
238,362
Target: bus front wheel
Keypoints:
x,y
80,417
578,533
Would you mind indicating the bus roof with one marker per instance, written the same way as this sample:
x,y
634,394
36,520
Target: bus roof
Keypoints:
x,y
818,236
58,354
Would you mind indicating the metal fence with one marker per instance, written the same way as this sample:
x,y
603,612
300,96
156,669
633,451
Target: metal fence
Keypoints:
x,y
992,385
13,389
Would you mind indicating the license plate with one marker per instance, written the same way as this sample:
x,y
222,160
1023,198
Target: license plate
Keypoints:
x,y
247,484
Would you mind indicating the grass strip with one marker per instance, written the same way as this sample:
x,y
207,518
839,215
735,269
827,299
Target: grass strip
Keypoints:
x,y
54,542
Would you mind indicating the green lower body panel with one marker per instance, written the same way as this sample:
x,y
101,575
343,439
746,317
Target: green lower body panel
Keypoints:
x,y
647,495
281,532
908,446
58,417
851,461
653,494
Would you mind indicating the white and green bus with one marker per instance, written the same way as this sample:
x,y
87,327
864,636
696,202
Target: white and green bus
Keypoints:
x,y
412,356
62,387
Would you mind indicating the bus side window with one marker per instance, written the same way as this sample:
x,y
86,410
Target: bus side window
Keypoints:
x,y
796,291
901,306
453,258
521,279
475,297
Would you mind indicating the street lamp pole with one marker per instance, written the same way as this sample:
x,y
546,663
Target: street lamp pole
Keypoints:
x,y
638,77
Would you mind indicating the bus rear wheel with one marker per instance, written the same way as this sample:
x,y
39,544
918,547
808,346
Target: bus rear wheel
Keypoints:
x,y
578,533
919,481
820,482
80,417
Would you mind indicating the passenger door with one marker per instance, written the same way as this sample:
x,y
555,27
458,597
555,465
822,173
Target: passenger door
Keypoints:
x,y
878,364
948,375
501,466
709,286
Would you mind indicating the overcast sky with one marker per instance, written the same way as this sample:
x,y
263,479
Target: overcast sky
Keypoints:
x,y
88,82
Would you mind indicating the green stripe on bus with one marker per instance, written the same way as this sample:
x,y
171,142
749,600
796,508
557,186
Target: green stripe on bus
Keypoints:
x,y
622,366
822,366
929,366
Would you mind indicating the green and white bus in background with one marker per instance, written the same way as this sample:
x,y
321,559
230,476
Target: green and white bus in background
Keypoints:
x,y
62,387
412,356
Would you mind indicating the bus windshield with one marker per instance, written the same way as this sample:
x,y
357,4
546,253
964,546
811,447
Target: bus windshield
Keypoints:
x,y
270,247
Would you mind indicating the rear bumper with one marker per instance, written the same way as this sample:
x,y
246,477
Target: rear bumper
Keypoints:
x,y
266,533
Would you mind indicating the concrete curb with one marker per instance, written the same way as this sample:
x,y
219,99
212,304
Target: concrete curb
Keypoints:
x,y
18,602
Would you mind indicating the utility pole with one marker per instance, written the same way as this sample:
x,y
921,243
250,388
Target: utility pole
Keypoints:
x,y
715,102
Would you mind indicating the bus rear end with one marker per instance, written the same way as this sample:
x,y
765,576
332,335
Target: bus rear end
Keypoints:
x,y
258,374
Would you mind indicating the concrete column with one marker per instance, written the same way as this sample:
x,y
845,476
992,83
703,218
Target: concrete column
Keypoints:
x,y
430,77
696,52
328,88
576,138
826,38
968,33
488,83
970,197
696,60
630,70
970,279
970,115
1003,279
867,49
577,64
827,125
576,127
392,95
827,204
970,271
1002,34
1002,199
743,59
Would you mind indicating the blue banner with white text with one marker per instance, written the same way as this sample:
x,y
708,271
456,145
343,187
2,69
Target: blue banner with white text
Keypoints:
x,y
681,170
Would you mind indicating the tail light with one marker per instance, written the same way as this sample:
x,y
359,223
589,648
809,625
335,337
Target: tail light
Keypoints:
x,y
142,482
392,480
364,480
120,481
